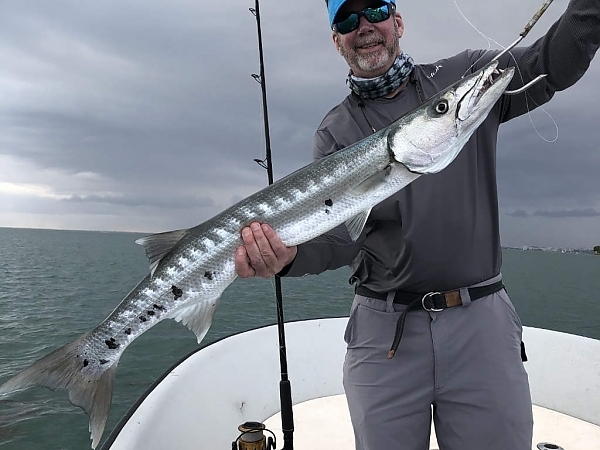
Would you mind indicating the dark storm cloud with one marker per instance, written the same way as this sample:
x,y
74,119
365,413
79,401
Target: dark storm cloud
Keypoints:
x,y
561,173
131,110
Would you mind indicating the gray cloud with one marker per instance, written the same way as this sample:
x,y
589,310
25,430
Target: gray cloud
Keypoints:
x,y
144,117
519,213
587,212
556,213
166,203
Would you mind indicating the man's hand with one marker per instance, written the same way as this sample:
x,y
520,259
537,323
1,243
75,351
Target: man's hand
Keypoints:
x,y
263,254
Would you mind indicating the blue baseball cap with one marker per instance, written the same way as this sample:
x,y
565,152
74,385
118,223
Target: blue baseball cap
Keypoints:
x,y
333,6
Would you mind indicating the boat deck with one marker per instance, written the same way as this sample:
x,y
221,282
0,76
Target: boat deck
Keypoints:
x,y
325,423
210,393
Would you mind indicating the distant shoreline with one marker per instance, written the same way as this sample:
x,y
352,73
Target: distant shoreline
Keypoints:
x,y
534,248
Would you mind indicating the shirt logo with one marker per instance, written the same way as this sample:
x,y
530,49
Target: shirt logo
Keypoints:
x,y
437,69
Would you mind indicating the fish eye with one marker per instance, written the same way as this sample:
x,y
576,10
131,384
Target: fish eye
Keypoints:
x,y
441,107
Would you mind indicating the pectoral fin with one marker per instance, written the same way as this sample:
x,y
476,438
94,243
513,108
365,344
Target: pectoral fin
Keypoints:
x,y
357,223
373,182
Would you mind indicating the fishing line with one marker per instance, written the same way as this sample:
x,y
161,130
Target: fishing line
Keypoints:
x,y
527,97
263,139
481,33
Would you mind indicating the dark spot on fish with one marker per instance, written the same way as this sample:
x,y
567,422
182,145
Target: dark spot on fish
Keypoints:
x,y
85,363
208,275
176,292
150,313
159,307
128,331
111,343
328,202
103,361
142,319
326,211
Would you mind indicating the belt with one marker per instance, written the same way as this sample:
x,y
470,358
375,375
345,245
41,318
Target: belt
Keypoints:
x,y
431,301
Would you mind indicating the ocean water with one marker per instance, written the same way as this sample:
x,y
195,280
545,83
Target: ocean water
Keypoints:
x,y
56,285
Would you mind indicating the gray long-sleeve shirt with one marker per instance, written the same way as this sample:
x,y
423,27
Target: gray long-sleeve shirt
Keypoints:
x,y
441,232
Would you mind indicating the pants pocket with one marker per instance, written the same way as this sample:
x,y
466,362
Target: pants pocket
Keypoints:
x,y
348,332
504,296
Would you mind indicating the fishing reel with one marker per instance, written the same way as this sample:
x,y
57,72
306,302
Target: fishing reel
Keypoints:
x,y
252,437
548,446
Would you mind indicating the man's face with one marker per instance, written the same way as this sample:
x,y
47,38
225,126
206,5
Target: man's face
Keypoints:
x,y
371,49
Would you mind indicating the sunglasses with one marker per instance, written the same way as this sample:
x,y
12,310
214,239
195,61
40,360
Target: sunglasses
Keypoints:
x,y
373,15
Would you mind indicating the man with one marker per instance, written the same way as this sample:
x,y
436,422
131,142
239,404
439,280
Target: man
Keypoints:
x,y
459,362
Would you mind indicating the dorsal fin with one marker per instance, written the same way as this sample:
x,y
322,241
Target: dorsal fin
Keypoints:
x,y
158,245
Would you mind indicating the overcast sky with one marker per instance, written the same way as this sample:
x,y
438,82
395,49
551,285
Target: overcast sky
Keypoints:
x,y
142,115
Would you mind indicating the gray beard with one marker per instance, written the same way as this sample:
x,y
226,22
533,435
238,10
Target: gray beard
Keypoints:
x,y
373,62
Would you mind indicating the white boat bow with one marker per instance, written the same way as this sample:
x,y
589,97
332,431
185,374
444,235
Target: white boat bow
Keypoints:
x,y
200,402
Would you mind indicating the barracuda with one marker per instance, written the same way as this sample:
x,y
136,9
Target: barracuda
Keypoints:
x,y
189,269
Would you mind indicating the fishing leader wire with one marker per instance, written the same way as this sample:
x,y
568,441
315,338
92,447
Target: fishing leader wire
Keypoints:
x,y
528,98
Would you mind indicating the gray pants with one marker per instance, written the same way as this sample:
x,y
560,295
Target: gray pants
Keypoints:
x,y
461,365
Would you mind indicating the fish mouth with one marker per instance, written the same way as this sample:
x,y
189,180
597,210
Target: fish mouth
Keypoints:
x,y
491,80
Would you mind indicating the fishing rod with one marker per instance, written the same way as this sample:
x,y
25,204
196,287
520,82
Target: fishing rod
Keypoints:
x,y
522,35
252,432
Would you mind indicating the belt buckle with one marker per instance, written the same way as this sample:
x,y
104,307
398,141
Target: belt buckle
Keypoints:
x,y
429,295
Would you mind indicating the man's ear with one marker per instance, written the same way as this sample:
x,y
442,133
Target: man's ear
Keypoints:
x,y
336,41
400,23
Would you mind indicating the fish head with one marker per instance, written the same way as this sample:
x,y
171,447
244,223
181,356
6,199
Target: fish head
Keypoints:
x,y
430,137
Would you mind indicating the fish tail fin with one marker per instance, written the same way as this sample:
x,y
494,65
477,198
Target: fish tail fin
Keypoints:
x,y
89,383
